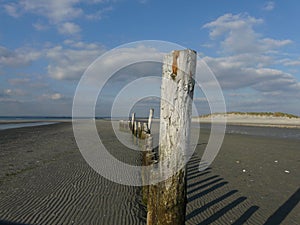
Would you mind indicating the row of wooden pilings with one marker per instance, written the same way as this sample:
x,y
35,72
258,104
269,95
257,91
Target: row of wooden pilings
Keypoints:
x,y
142,131
139,129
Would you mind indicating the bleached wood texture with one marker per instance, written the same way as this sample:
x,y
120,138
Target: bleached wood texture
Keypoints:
x,y
139,130
144,130
150,119
168,198
135,128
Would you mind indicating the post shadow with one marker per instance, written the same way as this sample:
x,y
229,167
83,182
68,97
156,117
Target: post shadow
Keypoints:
x,y
199,175
246,215
205,192
282,212
202,181
210,204
223,211
4,222
196,172
204,185
217,183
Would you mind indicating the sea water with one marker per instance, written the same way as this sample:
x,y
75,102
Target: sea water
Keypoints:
x,y
6,126
276,132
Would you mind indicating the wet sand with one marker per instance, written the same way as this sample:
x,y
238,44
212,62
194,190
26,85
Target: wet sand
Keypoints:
x,y
45,180
253,180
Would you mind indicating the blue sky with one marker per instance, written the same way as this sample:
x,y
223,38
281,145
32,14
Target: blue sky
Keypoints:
x,y
45,46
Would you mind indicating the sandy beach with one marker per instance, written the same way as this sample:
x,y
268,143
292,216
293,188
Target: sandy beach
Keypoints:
x,y
251,181
251,120
45,180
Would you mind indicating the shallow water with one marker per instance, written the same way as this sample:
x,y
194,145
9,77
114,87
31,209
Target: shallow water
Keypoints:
x,y
19,125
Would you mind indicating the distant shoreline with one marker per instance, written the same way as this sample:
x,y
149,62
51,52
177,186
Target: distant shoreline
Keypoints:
x,y
245,119
240,119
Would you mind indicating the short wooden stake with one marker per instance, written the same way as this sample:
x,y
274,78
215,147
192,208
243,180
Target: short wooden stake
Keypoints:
x,y
135,128
144,131
132,122
139,130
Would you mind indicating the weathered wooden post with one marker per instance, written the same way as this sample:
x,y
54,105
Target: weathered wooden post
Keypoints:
x,y
168,198
145,131
147,160
135,128
132,122
139,130
150,119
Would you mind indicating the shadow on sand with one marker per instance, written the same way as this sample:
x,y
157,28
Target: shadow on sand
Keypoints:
x,y
283,211
210,200
3,222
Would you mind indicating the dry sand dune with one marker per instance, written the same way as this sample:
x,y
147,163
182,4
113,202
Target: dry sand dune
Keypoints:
x,y
44,180
252,120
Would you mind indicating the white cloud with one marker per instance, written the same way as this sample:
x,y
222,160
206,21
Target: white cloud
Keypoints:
x,y
39,26
81,44
14,92
247,57
43,107
19,81
17,58
56,96
269,44
99,14
269,6
53,96
230,22
239,74
5,101
239,35
59,13
29,83
69,63
292,63
12,10
69,28
56,11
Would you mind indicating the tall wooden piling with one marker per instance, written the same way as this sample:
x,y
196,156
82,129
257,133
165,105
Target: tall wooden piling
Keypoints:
x,y
168,198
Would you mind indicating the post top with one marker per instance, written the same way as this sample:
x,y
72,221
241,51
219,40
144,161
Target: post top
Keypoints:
x,y
188,49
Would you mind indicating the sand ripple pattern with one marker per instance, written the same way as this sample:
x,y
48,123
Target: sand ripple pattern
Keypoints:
x,y
61,188
246,184
44,180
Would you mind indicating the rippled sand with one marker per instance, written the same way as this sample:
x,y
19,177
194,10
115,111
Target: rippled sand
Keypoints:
x,y
45,180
